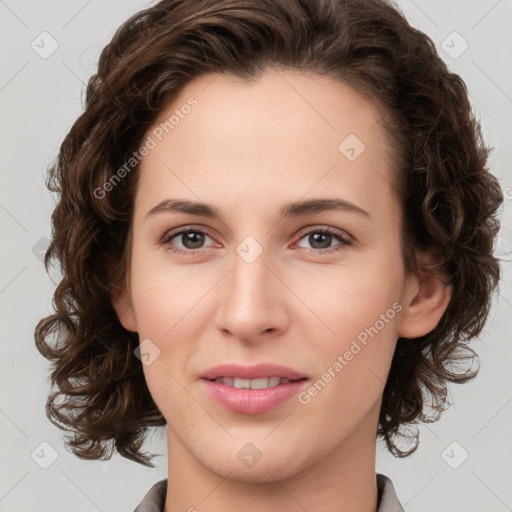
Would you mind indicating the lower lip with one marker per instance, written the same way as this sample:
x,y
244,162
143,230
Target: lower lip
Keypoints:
x,y
252,401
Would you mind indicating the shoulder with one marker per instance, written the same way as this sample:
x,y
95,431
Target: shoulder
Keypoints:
x,y
154,500
388,500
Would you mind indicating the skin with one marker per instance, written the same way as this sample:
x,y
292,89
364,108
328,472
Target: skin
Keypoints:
x,y
247,148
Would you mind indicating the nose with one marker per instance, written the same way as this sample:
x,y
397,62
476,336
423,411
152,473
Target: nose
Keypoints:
x,y
252,302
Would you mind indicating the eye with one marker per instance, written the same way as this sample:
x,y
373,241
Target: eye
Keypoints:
x,y
321,238
193,239
190,239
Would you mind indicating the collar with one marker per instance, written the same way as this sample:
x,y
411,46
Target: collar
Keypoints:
x,y
154,500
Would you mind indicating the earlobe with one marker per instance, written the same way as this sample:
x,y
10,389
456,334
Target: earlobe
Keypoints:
x,y
124,309
425,301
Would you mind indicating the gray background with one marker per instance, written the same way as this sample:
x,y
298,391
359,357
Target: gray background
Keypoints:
x,y
39,100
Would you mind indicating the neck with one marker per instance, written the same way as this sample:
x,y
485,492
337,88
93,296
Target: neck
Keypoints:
x,y
343,480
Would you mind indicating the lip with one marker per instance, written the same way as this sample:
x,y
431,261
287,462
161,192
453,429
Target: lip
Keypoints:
x,y
256,371
252,401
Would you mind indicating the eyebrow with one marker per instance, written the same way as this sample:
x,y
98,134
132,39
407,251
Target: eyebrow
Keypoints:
x,y
292,209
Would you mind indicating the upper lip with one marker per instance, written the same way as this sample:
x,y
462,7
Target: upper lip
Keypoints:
x,y
256,371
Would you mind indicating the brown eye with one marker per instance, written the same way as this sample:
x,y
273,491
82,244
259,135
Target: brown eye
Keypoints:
x,y
321,240
192,239
185,241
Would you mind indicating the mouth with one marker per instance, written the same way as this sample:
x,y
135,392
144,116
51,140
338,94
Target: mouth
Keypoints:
x,y
252,389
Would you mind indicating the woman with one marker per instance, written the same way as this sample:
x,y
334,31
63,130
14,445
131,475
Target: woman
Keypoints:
x,y
275,224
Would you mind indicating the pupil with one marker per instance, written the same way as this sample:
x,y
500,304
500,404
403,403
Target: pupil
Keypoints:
x,y
193,240
316,238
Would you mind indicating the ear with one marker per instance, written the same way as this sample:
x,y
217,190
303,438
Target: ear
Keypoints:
x,y
424,301
122,304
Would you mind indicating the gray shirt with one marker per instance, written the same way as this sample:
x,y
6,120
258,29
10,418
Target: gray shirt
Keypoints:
x,y
154,500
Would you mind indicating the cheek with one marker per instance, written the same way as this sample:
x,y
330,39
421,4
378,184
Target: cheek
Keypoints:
x,y
349,299
356,341
166,296
169,303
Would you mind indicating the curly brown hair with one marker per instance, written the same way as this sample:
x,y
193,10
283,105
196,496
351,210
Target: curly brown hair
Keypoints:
x,y
450,200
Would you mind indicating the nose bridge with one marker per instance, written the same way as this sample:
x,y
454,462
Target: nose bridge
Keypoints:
x,y
252,302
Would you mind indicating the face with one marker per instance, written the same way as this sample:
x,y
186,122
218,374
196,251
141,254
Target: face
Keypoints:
x,y
320,290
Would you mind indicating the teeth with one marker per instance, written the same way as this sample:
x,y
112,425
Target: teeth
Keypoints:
x,y
242,384
263,383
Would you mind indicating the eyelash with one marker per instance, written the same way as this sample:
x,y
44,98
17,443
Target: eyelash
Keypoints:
x,y
324,231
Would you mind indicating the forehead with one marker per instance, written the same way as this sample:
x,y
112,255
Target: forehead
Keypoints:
x,y
311,106
286,130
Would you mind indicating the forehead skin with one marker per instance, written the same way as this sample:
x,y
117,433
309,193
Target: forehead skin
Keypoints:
x,y
289,142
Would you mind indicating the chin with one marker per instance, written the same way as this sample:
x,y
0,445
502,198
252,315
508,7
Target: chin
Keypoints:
x,y
260,474
269,468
